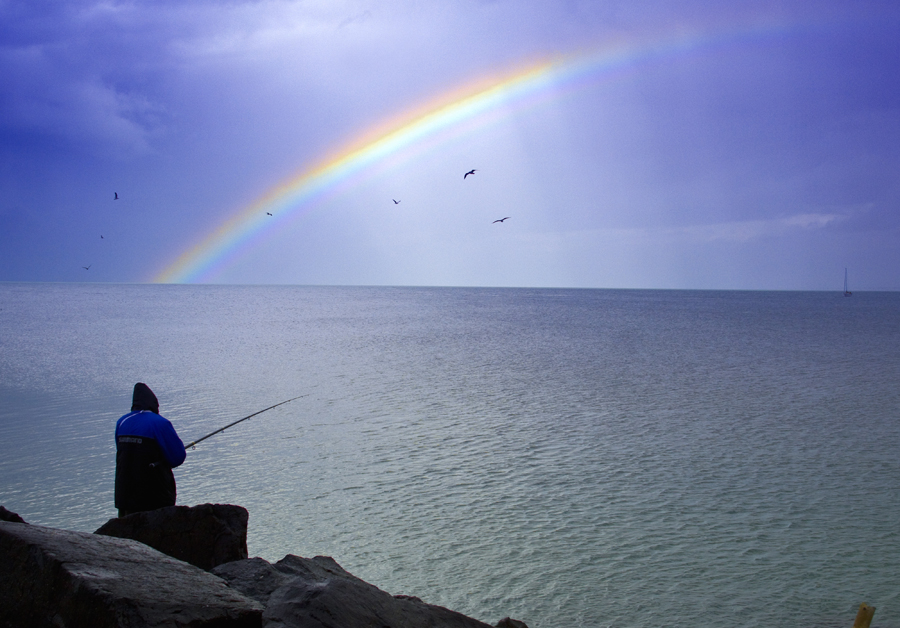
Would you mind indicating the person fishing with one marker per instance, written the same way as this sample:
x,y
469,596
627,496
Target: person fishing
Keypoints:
x,y
147,449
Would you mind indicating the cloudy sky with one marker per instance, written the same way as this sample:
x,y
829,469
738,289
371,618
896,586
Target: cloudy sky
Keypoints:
x,y
703,144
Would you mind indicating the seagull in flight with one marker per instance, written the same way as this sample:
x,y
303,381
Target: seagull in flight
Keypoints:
x,y
87,267
501,219
116,197
472,171
396,202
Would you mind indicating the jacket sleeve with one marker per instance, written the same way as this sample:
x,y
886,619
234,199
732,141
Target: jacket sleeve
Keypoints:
x,y
169,442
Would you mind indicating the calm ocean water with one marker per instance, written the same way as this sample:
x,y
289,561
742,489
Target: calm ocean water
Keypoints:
x,y
566,457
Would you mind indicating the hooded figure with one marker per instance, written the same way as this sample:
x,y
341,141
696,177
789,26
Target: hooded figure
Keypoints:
x,y
147,448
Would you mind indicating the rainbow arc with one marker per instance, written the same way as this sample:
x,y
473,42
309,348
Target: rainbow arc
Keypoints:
x,y
454,114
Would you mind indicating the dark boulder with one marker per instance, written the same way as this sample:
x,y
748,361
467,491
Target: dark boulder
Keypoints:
x,y
317,593
204,536
52,577
508,622
8,515
255,577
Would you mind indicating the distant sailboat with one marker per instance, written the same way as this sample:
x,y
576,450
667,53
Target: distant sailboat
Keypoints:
x,y
847,293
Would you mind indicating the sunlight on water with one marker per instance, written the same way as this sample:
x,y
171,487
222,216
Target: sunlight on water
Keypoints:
x,y
566,457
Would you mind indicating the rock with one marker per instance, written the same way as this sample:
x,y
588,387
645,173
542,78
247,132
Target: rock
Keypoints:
x,y
52,577
204,536
318,593
508,622
256,578
8,515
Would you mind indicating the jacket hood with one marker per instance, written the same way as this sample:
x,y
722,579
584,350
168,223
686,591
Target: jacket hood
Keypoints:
x,y
144,399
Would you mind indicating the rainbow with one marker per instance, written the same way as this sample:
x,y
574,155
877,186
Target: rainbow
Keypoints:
x,y
452,115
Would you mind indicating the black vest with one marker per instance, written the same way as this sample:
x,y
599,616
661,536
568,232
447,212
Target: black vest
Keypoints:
x,y
144,479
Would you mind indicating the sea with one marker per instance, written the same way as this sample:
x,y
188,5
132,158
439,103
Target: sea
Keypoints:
x,y
577,458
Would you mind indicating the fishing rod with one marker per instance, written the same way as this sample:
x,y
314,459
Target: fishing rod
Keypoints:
x,y
222,429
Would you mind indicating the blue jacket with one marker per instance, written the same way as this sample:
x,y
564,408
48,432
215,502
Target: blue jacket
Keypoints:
x,y
147,447
151,425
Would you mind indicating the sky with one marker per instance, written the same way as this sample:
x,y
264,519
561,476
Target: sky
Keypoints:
x,y
671,144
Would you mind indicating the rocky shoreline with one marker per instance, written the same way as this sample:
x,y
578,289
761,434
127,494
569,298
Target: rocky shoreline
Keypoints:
x,y
188,566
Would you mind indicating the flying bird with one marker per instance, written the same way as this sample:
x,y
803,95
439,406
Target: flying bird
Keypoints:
x,y
116,196
101,236
268,213
87,267
472,171
396,202
501,219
